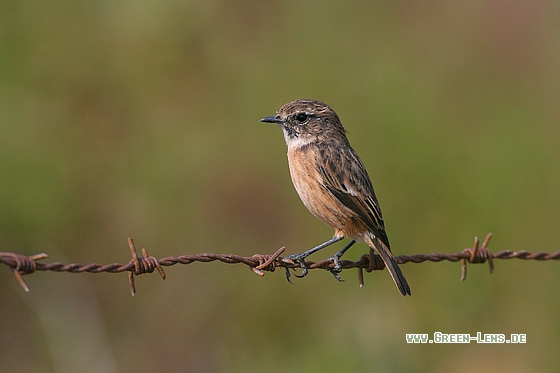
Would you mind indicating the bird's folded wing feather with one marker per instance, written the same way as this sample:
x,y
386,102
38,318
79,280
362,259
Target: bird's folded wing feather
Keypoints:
x,y
346,178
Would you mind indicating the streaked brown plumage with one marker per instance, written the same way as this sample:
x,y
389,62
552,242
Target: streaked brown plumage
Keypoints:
x,y
332,181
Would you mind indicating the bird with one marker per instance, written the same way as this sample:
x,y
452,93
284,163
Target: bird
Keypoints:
x,y
332,182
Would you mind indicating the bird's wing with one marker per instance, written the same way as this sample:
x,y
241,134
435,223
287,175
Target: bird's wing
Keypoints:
x,y
345,176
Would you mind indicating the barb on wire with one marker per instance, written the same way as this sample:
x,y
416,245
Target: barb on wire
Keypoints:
x,y
260,263
21,265
145,264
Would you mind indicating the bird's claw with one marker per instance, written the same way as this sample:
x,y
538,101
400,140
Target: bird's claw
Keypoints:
x,y
336,275
300,259
337,268
288,275
297,259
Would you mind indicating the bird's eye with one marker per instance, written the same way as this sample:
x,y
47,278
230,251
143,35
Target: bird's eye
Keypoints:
x,y
301,118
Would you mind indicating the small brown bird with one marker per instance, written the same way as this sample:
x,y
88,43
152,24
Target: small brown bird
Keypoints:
x,y
333,183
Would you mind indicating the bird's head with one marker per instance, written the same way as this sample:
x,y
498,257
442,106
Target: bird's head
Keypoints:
x,y
306,121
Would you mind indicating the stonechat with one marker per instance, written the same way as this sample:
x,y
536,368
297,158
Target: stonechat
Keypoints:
x,y
333,183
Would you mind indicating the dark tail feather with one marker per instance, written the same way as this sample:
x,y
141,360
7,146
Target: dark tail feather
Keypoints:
x,y
392,266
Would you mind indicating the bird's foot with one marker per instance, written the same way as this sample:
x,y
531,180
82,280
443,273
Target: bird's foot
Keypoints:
x,y
337,268
298,259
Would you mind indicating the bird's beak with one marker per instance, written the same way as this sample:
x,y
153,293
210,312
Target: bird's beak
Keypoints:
x,y
273,119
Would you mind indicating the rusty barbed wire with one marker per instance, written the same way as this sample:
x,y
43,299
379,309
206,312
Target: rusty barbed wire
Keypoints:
x,y
261,263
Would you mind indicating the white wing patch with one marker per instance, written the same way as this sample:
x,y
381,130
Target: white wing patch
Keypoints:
x,y
350,189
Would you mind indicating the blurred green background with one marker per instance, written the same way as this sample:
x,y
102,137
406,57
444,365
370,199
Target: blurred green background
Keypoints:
x,y
126,118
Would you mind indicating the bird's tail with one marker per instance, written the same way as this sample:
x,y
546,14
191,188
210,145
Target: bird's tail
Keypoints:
x,y
390,263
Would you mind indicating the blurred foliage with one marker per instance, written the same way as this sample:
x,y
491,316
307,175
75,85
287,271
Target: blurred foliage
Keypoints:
x,y
125,118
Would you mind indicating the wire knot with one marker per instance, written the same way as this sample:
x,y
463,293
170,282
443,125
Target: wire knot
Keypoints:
x,y
144,264
22,265
375,263
477,255
266,262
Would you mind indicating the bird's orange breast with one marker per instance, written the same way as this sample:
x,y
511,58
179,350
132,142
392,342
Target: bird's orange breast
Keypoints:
x,y
317,198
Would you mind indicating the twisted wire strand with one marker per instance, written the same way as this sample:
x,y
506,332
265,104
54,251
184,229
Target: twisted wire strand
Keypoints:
x,y
260,263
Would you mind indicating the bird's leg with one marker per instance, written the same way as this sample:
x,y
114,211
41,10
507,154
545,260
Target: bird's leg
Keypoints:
x,y
300,258
336,260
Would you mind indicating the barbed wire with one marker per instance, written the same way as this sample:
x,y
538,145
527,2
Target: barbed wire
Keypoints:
x,y
260,263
